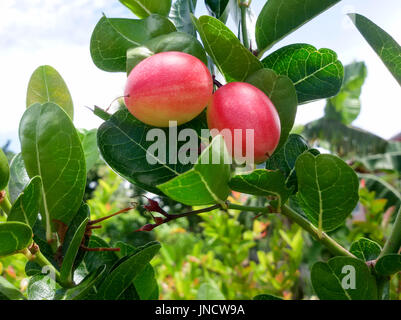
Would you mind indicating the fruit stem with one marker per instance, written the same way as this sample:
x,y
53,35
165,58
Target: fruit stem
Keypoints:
x,y
333,246
244,28
4,202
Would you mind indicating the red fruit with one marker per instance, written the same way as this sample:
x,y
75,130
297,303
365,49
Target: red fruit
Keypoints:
x,y
239,105
167,86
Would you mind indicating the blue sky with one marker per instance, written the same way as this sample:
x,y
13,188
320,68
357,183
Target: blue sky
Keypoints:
x,y
57,32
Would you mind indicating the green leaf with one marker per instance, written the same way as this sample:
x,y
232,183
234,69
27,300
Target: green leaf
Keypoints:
x,y
47,85
32,268
284,159
234,61
146,284
18,177
122,144
388,264
51,149
14,236
383,190
111,39
9,291
180,14
345,140
94,260
209,291
266,297
346,105
174,41
218,9
365,249
42,287
279,18
282,93
89,144
82,214
328,280
86,285
262,182
4,170
144,8
316,74
26,207
125,272
327,189
381,42
66,271
206,182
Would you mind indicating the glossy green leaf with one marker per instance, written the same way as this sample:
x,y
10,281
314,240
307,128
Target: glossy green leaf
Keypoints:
x,y
51,149
381,42
66,271
26,208
365,249
388,264
383,190
278,18
180,14
89,144
18,177
284,159
42,287
266,297
144,8
122,144
234,61
282,93
262,182
343,278
346,105
47,85
111,39
218,9
316,74
124,273
145,283
9,291
14,236
86,286
327,189
207,180
174,41
4,170
209,291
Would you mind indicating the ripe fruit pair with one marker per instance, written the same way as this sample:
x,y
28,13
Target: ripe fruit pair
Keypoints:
x,y
175,86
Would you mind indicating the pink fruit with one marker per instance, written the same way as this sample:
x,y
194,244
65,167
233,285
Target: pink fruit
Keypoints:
x,y
168,86
239,105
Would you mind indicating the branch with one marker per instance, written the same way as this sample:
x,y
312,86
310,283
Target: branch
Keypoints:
x,y
393,243
334,247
